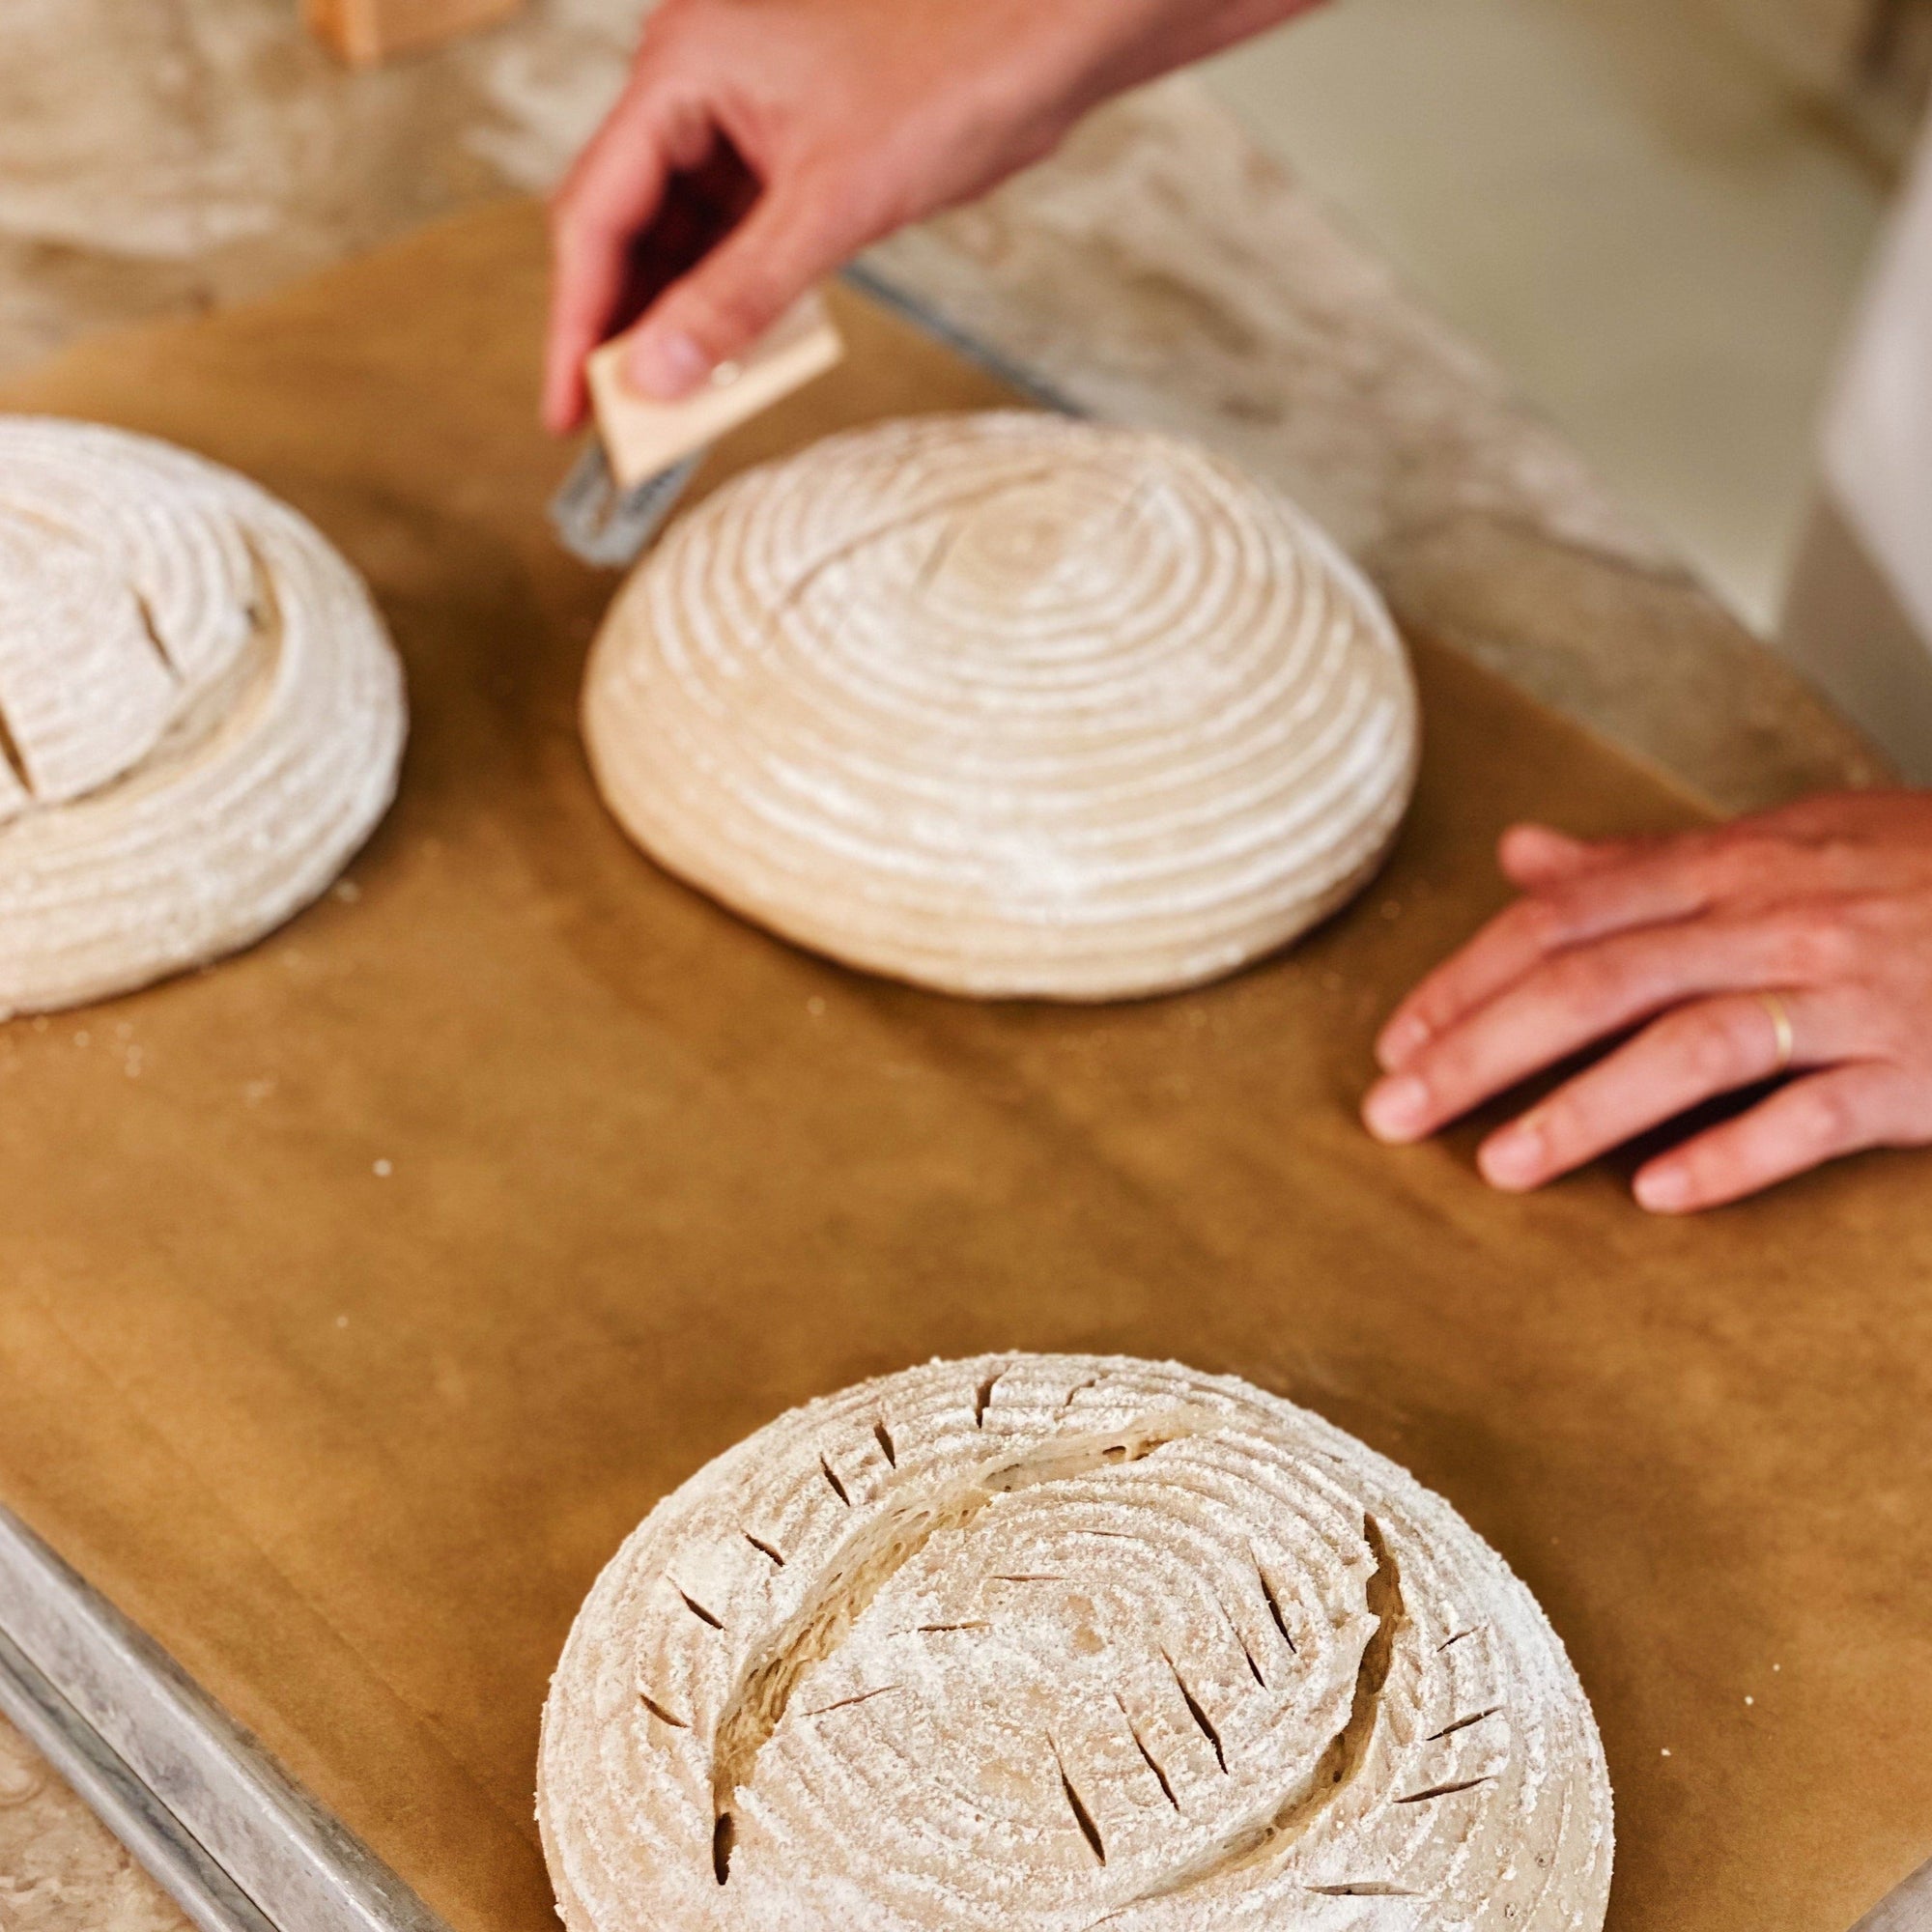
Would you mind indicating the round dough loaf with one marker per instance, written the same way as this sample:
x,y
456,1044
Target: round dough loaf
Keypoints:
x,y
1007,704
1065,1642
201,716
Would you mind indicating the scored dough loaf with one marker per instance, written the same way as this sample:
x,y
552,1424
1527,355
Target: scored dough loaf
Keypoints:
x,y
1063,1642
201,716
1007,704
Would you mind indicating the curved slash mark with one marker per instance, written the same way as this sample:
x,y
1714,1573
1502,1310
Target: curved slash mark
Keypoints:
x,y
832,1477
765,1549
1254,1668
1445,1790
154,639
1463,1723
883,1436
659,1712
1274,1607
1152,1763
1199,1716
1082,1817
13,756
983,1399
696,1609
846,1703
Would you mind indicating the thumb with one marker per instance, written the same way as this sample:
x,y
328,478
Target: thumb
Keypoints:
x,y
1538,855
719,309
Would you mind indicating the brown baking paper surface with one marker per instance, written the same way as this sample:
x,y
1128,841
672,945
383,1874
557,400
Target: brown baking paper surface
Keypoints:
x,y
352,1446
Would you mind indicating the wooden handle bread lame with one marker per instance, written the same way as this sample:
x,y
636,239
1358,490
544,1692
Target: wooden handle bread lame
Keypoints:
x,y
635,467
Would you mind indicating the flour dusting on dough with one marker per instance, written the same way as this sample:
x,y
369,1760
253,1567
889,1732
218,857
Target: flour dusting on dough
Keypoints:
x,y
1172,1656
1007,704
201,716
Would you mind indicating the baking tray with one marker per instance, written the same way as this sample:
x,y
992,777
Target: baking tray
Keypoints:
x,y
358,1296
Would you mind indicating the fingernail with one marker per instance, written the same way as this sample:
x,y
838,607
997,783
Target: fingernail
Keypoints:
x,y
1401,1038
666,367
1663,1189
1395,1109
1514,1159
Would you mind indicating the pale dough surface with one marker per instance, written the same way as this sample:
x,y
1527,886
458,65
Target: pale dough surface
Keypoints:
x,y
201,715
1066,1642
1007,704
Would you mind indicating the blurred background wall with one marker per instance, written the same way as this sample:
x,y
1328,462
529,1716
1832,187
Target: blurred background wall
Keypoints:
x,y
1655,213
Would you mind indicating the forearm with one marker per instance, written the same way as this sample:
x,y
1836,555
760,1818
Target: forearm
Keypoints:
x,y
1163,35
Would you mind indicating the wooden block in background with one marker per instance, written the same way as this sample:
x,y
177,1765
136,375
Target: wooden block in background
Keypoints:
x,y
364,32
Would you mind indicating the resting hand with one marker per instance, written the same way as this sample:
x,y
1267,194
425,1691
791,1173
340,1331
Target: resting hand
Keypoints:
x,y
759,143
1799,938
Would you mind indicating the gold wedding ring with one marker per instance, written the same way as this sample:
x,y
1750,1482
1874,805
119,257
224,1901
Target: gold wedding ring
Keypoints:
x,y
1781,1027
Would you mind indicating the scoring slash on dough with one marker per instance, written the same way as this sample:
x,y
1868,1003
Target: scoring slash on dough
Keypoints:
x,y
1008,705
1066,1643
201,716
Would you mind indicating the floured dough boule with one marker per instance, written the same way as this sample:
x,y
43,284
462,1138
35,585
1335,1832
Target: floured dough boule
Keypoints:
x,y
1007,704
1066,1642
201,715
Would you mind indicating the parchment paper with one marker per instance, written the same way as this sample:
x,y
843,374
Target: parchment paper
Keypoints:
x,y
353,1445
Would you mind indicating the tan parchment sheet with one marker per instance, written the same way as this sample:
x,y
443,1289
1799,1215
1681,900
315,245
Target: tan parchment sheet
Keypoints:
x,y
352,1443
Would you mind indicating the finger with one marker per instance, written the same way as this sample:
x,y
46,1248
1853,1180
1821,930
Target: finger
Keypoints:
x,y
1567,1004
1837,1112
1678,1062
612,193
1645,889
796,232
1537,856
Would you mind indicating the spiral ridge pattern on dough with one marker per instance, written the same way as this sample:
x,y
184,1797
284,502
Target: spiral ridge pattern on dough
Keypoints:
x,y
201,716
1007,704
1066,1642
